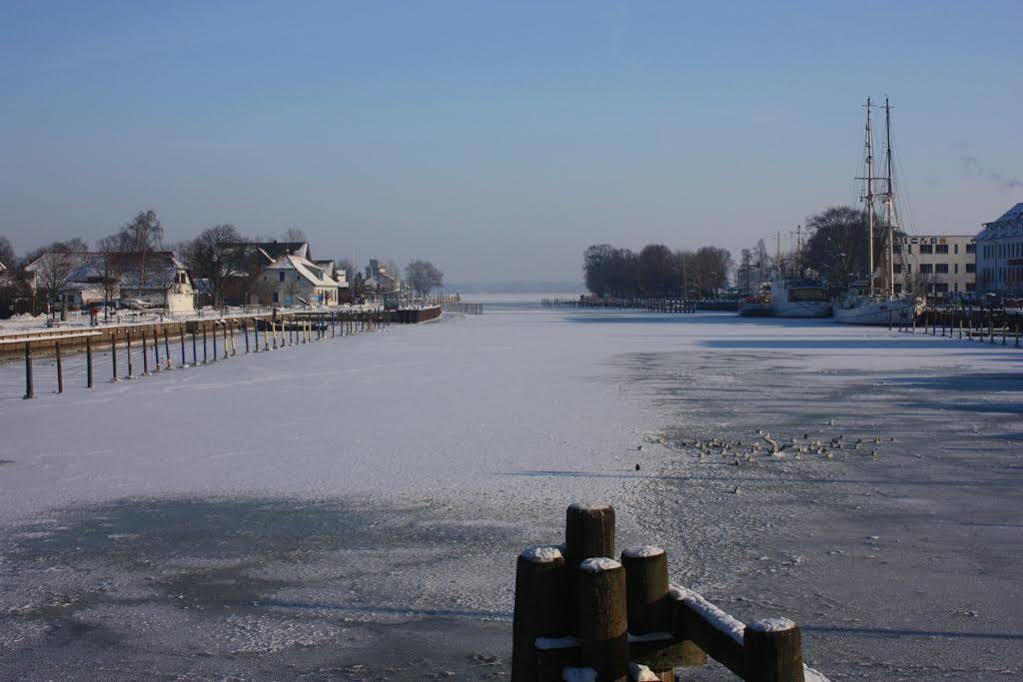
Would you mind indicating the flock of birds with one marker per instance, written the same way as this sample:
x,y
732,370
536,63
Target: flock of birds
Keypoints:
x,y
763,444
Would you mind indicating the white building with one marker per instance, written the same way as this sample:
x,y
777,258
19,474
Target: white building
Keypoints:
x,y
1000,254
295,280
936,266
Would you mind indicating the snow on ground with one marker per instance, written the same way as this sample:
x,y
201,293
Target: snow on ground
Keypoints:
x,y
301,512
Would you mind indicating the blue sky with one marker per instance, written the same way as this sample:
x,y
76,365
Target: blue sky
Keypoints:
x,y
498,139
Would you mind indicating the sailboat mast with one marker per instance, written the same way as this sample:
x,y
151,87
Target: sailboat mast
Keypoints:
x,y
869,198
890,197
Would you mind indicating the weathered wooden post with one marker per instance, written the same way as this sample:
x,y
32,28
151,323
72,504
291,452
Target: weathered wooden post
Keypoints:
x,y
195,345
226,324
30,392
181,341
333,322
214,335
245,330
255,333
273,333
156,348
646,583
131,375
234,348
145,355
589,532
772,651
540,585
113,356
166,348
266,341
205,357
88,362
602,618
60,367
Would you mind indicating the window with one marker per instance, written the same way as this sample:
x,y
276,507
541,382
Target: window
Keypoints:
x,y
277,297
941,248
971,267
926,268
926,248
957,249
971,247
971,287
940,288
897,268
897,248
957,268
280,278
909,268
898,289
941,268
909,248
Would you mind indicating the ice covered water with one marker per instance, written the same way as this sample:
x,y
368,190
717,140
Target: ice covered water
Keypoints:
x,y
302,511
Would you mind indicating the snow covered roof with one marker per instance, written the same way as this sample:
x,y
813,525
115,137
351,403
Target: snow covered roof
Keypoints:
x,y
161,267
312,272
1010,224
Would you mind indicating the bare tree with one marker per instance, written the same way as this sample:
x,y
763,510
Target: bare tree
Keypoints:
x,y
141,238
213,255
295,234
423,276
7,256
110,267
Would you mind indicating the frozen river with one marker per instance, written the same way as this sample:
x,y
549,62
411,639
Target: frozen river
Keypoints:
x,y
351,509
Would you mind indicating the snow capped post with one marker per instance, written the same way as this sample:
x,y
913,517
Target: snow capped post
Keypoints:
x,y
602,618
589,532
540,585
772,651
646,584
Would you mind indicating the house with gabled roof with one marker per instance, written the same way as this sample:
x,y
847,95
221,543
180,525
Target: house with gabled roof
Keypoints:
x,y
293,280
1000,254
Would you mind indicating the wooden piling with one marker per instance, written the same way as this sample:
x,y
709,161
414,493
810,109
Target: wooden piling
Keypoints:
x,y
156,348
166,348
60,367
540,585
30,392
88,362
181,340
602,618
589,532
131,375
205,357
245,329
772,651
646,582
113,356
145,355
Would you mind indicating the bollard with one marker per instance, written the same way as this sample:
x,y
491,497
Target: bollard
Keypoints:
x,y
772,651
29,388
540,584
602,618
60,367
646,587
88,362
589,532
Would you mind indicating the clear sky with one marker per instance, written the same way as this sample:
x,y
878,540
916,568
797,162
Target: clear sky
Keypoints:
x,y
498,139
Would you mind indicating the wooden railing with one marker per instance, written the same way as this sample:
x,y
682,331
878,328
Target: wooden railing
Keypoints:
x,y
582,614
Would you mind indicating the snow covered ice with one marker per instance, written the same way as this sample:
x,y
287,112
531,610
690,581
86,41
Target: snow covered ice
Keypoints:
x,y
352,509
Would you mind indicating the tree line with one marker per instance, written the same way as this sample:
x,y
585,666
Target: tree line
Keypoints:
x,y
656,271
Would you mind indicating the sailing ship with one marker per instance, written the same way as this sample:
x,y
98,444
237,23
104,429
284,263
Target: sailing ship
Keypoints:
x,y
865,303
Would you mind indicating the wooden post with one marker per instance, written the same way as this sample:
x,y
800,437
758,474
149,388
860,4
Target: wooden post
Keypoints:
x,y
273,333
145,355
156,348
234,348
205,358
195,358
540,584
266,341
226,325
60,367
602,618
255,333
88,362
772,651
166,348
131,375
214,341
589,532
30,392
646,583
113,355
181,339
245,329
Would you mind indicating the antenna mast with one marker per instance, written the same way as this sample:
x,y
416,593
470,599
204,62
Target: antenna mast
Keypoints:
x,y
889,197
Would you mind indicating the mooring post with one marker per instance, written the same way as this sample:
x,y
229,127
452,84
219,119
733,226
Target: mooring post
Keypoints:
x,y
266,341
30,392
181,341
131,374
226,324
88,362
166,348
195,345
602,618
205,358
589,532
60,367
145,355
214,335
273,333
245,330
255,333
772,651
540,584
113,355
156,348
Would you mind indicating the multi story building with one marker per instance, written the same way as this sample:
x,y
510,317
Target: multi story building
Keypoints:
x,y
936,266
1000,254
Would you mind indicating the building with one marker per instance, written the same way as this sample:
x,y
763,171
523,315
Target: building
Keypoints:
x,y
295,280
1000,254
936,266
248,260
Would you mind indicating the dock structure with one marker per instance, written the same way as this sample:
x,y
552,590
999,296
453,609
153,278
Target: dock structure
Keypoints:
x,y
279,329
656,305
584,612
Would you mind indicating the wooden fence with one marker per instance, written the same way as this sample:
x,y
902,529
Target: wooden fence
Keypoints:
x,y
582,614
995,327
162,346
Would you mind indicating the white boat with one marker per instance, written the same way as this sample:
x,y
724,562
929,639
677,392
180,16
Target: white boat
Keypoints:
x,y
799,298
865,304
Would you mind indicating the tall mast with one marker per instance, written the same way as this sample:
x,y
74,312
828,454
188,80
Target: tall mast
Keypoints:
x,y
869,199
889,196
